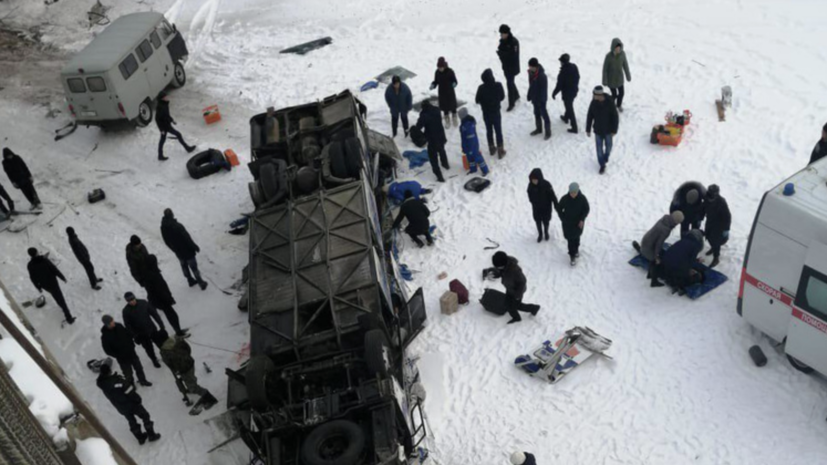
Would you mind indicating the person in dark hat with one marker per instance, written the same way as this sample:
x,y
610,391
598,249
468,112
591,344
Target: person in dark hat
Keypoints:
x,y
603,115
508,269
117,343
165,124
820,150
509,53
446,81
489,95
689,198
82,254
568,82
127,402
718,222
543,199
20,176
430,124
44,275
417,213
159,295
573,210
400,101
178,239
538,96
138,316
136,258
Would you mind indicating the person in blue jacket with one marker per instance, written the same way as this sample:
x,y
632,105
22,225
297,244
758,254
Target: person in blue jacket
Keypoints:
x,y
471,143
538,96
400,102
678,262
396,190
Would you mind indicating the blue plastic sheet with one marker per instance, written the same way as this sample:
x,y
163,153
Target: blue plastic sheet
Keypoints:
x,y
712,278
416,158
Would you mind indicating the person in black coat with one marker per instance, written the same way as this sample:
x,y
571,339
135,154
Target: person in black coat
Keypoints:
x,y
20,176
489,95
538,96
82,254
718,222
138,316
573,210
3,209
689,199
400,101
117,343
44,275
178,240
127,402
159,295
417,214
508,269
164,121
820,150
603,115
446,80
568,82
509,53
136,258
429,123
677,265
542,197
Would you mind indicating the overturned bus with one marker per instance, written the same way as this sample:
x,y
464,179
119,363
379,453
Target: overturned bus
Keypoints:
x,y
328,380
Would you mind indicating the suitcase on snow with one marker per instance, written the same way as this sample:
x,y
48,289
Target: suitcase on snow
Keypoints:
x,y
460,290
494,301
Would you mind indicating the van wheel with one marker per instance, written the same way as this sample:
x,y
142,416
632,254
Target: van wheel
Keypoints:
x,y
179,76
145,113
800,366
339,442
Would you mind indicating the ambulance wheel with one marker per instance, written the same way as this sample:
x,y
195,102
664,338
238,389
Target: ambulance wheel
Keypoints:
x,y
800,366
144,114
179,76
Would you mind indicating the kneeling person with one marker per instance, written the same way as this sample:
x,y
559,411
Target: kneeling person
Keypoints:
x,y
508,269
417,214
651,246
678,262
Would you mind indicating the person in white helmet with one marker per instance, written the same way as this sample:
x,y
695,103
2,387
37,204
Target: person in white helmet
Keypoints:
x,y
522,458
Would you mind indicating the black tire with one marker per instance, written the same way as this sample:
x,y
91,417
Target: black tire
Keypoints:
x,y
267,179
757,356
338,166
258,369
179,75
204,163
799,365
145,113
339,442
255,193
353,157
377,352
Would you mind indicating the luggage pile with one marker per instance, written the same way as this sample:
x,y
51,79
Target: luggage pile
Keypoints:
x,y
671,133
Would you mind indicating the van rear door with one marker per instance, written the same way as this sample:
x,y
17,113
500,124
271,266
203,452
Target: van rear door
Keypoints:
x,y
91,98
807,332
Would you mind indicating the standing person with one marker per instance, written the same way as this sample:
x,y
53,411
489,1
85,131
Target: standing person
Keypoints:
x,y
117,343
159,295
508,269
82,254
5,211
689,198
400,101
603,114
138,316
178,240
136,258
177,355
568,82
430,124
573,210
523,458
614,68
417,214
718,222
489,95
678,262
165,122
820,150
20,177
538,96
127,402
471,143
509,53
542,197
44,275
446,80
651,246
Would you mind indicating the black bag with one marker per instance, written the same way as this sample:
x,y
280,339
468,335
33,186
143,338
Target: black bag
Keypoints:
x,y
494,301
417,137
96,196
477,184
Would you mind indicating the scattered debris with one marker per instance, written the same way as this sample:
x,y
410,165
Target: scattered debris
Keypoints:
x,y
211,114
442,275
97,15
301,49
65,131
404,74
96,195
490,247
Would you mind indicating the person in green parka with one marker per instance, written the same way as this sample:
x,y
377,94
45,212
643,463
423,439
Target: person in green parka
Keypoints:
x,y
614,67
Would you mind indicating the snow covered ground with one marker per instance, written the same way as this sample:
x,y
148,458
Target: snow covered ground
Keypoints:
x,y
681,389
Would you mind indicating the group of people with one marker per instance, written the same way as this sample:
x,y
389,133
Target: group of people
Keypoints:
x,y
573,209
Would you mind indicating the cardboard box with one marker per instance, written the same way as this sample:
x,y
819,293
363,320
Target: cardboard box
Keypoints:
x,y
449,303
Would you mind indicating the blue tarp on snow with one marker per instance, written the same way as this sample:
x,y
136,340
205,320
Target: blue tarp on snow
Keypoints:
x,y
712,278
416,158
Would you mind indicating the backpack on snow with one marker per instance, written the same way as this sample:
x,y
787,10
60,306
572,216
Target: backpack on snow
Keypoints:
x,y
460,290
477,184
418,137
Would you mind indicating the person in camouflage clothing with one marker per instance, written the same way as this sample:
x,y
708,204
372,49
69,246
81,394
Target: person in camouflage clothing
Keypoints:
x,y
176,354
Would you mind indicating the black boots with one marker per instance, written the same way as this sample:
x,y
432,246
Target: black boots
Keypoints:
x,y
139,435
150,432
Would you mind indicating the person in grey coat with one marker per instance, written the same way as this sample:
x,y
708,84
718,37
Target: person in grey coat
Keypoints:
x,y
651,246
615,66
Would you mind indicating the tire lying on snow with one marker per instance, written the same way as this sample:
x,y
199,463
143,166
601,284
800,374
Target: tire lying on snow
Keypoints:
x,y
339,442
205,163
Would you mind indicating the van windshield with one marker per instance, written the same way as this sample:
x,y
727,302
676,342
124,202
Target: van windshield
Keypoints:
x,y
76,85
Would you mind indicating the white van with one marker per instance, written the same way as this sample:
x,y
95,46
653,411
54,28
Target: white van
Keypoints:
x,y
783,288
120,73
